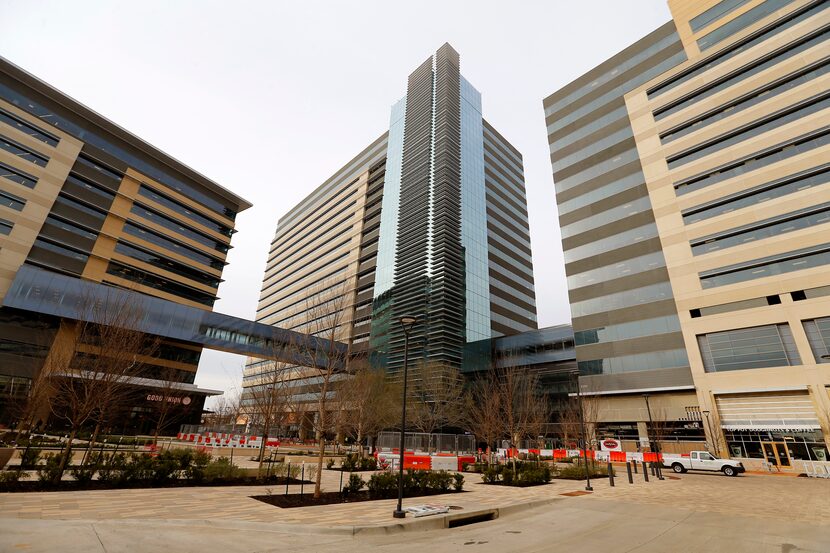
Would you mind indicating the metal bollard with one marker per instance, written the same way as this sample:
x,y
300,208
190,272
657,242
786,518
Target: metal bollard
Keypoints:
x,y
341,481
645,471
652,469
630,477
302,479
610,474
287,477
634,461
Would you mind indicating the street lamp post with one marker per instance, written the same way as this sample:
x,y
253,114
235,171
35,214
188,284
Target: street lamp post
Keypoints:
x,y
712,434
584,437
406,323
656,445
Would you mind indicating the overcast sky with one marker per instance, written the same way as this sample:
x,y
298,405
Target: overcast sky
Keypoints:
x,y
271,98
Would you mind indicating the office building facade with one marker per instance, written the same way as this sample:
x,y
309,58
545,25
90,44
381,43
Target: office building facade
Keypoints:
x,y
430,221
690,175
84,201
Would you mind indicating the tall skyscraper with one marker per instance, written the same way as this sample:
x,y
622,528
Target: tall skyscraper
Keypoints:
x,y
691,180
88,210
430,221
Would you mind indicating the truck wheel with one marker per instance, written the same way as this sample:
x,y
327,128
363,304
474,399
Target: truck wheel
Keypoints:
x,y
678,468
730,471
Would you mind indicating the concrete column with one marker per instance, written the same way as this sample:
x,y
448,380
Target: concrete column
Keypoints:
x,y
642,431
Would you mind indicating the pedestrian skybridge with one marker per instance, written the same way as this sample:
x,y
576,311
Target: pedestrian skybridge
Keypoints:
x,y
55,294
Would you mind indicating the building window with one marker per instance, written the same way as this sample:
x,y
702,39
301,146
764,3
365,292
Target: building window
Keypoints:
x,y
5,226
818,334
741,22
28,128
774,226
748,348
16,175
798,260
22,152
12,201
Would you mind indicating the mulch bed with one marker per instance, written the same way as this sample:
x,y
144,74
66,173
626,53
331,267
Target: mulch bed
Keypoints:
x,y
73,486
327,498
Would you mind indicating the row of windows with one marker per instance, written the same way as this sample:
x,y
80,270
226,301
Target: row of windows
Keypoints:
x,y
613,73
606,217
741,22
751,303
614,187
621,300
171,245
21,151
28,128
159,283
303,290
743,45
85,134
626,331
80,187
182,209
765,124
6,227
774,226
625,268
284,285
757,160
167,264
61,250
748,348
10,200
761,94
16,175
666,359
70,227
759,194
175,226
619,240
798,260
115,175
714,13
278,249
774,58
72,204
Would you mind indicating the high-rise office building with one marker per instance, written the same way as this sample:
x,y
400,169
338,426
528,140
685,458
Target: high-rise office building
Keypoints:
x,y
430,220
690,174
85,205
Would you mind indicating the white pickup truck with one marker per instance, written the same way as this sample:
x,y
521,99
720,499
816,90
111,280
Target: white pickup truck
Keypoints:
x,y
703,460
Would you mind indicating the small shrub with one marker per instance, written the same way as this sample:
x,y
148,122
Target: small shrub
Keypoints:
x,y
199,461
221,469
29,457
368,463
577,472
383,485
458,483
355,484
9,479
50,471
83,475
491,475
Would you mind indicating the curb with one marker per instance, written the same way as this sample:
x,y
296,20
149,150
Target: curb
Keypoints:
x,y
445,521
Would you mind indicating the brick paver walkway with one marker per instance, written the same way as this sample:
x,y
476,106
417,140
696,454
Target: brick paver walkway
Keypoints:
x,y
799,499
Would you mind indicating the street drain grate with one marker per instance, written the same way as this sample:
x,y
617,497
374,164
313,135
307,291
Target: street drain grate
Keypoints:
x,y
574,494
471,519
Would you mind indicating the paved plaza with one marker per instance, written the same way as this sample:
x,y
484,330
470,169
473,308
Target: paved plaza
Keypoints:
x,y
691,512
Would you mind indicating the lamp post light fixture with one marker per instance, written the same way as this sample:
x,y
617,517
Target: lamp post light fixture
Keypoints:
x,y
656,445
406,323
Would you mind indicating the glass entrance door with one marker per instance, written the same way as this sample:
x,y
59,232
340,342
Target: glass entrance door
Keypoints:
x,y
776,454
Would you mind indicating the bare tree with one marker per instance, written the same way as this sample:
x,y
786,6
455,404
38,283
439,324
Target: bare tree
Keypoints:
x,y
524,409
268,402
326,320
228,408
93,363
485,410
167,400
437,397
367,402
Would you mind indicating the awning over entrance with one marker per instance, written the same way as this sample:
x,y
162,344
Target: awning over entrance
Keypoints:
x,y
781,411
